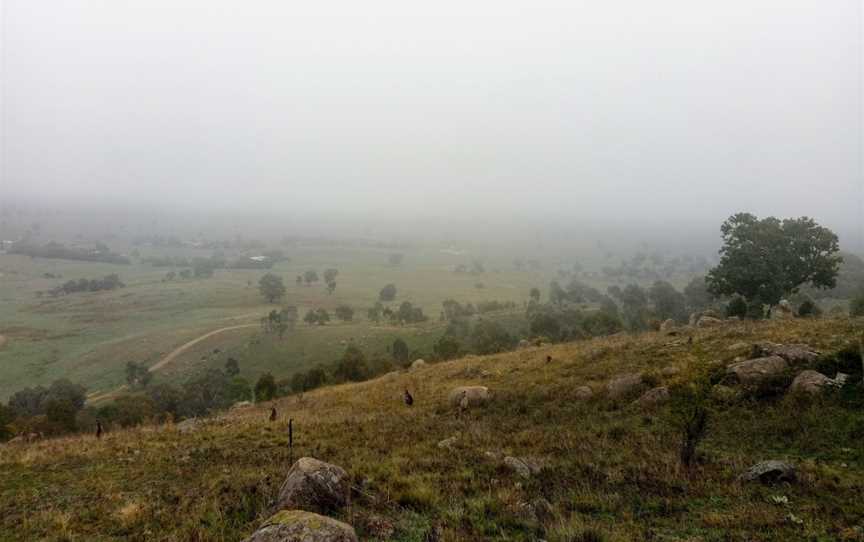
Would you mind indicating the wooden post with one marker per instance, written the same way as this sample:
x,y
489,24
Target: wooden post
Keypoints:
x,y
291,441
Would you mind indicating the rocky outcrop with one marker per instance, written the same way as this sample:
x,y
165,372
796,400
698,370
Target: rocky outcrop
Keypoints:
x,y
302,526
770,472
754,371
623,385
314,486
476,395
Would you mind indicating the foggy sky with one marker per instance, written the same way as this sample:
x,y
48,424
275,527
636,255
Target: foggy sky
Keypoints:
x,y
618,111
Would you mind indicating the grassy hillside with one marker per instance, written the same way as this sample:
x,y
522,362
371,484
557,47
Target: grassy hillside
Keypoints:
x,y
611,470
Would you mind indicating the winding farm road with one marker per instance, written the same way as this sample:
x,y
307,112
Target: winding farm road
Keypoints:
x,y
169,358
177,351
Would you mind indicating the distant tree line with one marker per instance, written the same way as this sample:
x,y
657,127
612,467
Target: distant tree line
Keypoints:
x,y
98,253
60,408
108,282
405,313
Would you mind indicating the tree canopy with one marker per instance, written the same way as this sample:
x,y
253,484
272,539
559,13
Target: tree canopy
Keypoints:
x,y
769,258
387,293
271,287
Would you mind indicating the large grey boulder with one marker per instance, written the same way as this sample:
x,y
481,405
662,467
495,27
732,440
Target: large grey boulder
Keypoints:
x,y
810,383
793,353
754,371
476,395
623,385
314,486
770,472
302,526
796,353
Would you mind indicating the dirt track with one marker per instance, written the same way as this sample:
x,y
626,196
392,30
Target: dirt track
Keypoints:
x,y
166,360
177,351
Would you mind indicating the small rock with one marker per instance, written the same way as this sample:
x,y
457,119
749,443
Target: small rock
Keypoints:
x,y
538,509
189,425
583,393
670,371
810,382
477,395
755,370
709,321
623,385
653,397
770,472
667,326
840,380
418,364
302,526
241,405
783,311
448,443
521,466
524,344
314,486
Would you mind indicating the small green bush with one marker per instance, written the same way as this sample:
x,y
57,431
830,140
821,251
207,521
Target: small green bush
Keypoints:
x,y
809,308
737,307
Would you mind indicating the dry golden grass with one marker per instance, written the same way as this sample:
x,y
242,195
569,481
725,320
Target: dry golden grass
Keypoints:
x,y
612,471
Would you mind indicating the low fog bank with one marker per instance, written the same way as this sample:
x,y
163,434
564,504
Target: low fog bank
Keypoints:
x,y
527,232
